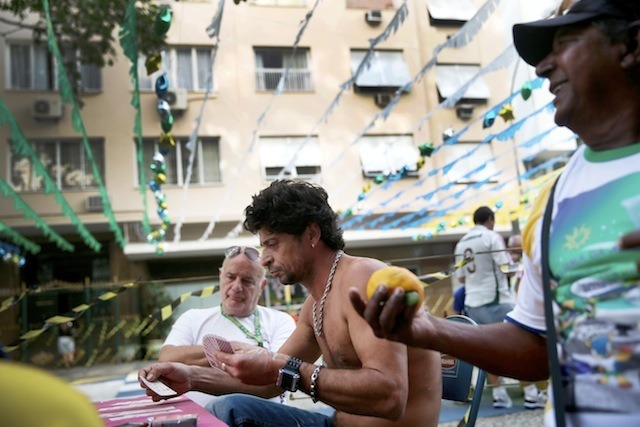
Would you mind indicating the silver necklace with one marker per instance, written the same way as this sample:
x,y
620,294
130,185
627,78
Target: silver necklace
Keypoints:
x,y
317,322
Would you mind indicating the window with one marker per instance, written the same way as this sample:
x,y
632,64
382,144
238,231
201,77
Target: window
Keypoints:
x,y
271,63
32,67
65,161
450,78
387,71
277,153
469,162
206,163
388,155
450,12
187,68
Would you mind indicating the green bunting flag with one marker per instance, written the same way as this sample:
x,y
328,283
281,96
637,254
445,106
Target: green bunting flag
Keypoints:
x,y
66,93
128,41
29,213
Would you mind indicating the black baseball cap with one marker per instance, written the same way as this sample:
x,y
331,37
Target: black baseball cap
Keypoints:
x,y
534,40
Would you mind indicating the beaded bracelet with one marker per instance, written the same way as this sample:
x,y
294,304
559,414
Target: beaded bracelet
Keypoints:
x,y
313,392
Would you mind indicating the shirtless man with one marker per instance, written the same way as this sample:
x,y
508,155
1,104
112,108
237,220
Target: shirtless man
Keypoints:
x,y
370,382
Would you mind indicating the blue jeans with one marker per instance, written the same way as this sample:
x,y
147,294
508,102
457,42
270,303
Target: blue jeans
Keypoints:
x,y
244,411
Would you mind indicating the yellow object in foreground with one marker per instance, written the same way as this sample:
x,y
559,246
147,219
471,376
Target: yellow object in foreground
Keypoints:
x,y
34,398
394,277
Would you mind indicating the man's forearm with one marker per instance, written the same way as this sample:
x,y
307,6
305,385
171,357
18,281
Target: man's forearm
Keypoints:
x,y
187,354
217,382
502,348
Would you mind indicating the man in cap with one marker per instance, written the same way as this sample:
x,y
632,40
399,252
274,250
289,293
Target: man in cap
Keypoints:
x,y
591,57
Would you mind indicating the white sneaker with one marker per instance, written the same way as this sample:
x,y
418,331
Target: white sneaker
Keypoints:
x,y
535,400
501,398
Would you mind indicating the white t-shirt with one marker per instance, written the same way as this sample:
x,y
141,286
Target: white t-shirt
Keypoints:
x,y
484,282
189,329
596,289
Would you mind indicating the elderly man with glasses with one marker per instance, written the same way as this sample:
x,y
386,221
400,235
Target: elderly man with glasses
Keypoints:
x,y
237,318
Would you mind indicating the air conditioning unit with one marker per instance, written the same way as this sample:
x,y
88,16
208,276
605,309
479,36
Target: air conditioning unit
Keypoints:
x,y
47,109
373,17
383,99
177,98
464,111
93,204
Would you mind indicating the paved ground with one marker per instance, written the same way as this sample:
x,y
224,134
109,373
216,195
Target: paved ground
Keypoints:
x,y
105,382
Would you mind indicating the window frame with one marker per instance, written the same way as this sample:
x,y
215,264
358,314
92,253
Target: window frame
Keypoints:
x,y
51,70
312,148
58,164
299,79
367,150
382,59
178,152
450,13
169,65
456,72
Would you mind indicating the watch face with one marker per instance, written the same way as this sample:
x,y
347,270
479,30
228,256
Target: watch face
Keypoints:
x,y
287,379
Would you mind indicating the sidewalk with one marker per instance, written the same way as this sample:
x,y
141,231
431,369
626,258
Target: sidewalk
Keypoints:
x,y
104,382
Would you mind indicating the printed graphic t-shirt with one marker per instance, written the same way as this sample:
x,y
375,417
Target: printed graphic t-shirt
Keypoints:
x,y
595,286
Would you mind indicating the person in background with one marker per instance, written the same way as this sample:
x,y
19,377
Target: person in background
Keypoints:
x,y
487,295
591,57
238,317
458,301
66,343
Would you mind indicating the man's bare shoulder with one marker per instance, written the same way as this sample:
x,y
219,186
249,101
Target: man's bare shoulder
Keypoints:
x,y
366,265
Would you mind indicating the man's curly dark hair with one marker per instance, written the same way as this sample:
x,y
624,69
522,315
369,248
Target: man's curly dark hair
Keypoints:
x,y
288,206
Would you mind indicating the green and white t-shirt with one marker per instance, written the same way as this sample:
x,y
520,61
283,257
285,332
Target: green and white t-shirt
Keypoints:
x,y
596,286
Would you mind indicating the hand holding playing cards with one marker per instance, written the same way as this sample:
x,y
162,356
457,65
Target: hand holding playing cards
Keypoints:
x,y
250,364
175,375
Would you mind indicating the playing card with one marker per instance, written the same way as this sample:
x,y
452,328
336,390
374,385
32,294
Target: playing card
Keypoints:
x,y
212,342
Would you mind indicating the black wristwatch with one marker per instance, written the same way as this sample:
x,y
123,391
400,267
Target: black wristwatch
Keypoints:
x,y
289,374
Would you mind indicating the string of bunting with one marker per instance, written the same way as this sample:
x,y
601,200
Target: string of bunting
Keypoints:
x,y
440,275
426,150
146,326
12,254
461,38
279,89
11,301
441,226
18,239
213,31
395,23
22,148
504,135
66,94
70,316
128,36
165,142
41,224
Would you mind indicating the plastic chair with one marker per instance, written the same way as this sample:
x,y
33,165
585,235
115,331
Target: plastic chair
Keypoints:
x,y
457,378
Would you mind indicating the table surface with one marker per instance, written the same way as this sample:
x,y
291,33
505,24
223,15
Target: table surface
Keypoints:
x,y
139,409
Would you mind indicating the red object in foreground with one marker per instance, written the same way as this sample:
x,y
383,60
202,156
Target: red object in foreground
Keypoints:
x,y
141,409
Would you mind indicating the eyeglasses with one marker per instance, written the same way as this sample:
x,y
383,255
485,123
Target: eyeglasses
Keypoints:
x,y
252,254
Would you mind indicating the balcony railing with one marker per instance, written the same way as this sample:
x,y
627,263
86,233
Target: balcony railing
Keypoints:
x,y
297,80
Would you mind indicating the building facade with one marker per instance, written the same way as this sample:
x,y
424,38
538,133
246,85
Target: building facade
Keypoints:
x,y
371,167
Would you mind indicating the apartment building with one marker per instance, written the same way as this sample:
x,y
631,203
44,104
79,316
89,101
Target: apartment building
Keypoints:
x,y
248,136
